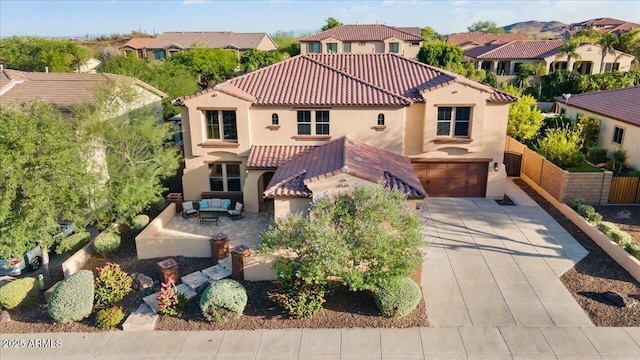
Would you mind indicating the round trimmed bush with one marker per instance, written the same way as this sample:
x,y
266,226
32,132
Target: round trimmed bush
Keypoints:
x,y
139,222
109,318
72,299
19,292
398,298
106,242
73,242
223,294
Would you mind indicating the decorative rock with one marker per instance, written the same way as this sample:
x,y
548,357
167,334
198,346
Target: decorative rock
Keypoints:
x,y
152,301
141,281
4,317
615,298
194,280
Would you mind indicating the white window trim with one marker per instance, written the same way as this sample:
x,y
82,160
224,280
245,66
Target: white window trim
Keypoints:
x,y
613,136
452,124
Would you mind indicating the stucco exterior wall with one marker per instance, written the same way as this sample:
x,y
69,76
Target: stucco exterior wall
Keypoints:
x,y
405,48
283,206
607,126
266,44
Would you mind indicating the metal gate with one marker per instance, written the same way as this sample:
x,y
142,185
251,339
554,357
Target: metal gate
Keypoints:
x,y
512,163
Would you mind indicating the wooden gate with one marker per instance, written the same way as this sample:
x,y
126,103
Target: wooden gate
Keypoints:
x,y
512,163
625,190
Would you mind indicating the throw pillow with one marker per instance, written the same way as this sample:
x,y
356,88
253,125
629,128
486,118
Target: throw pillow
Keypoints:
x,y
226,204
203,204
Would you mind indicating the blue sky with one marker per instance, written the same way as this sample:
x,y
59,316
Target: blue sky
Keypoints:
x,y
94,17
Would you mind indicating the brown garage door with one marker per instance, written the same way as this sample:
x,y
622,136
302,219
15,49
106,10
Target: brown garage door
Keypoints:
x,y
453,179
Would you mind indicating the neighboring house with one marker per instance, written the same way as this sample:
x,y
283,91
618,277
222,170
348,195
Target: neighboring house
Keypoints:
x,y
506,59
170,42
469,40
89,66
619,116
316,123
136,47
364,39
603,25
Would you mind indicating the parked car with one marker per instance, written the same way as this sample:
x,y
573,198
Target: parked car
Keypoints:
x,y
32,259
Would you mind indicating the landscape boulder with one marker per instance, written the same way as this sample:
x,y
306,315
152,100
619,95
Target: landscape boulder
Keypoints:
x,y
141,281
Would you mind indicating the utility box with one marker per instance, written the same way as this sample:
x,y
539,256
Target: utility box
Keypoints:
x,y
168,270
219,247
238,254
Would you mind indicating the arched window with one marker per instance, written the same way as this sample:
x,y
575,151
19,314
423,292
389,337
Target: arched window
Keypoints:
x,y
274,119
380,119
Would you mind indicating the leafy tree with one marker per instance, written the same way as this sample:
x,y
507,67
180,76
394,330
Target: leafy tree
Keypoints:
x,y
562,146
127,66
629,43
570,50
254,59
429,34
485,27
209,65
589,36
287,43
524,119
590,131
37,54
607,42
330,24
439,54
561,82
44,178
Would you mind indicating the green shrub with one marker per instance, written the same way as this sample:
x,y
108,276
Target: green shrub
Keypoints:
x,y
597,155
299,299
398,298
577,202
635,173
620,237
634,249
595,218
586,210
72,299
106,242
112,285
590,131
562,146
107,319
139,222
607,228
619,163
19,292
73,242
223,294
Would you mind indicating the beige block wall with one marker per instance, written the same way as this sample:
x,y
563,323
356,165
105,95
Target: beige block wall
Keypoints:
x,y
593,187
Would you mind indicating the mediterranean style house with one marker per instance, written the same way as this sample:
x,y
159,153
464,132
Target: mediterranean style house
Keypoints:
x,y
165,44
603,25
468,40
506,59
619,116
364,39
314,124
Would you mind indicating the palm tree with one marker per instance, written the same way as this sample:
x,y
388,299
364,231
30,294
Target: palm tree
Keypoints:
x,y
607,42
570,49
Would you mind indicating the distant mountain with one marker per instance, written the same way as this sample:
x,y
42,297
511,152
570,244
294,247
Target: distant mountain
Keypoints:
x,y
538,29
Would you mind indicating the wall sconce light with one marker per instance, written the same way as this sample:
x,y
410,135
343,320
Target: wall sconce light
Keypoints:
x,y
495,166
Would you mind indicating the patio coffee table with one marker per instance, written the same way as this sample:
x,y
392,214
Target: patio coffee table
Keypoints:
x,y
209,216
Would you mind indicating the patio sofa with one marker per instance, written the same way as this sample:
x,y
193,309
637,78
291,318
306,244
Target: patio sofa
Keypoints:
x,y
219,205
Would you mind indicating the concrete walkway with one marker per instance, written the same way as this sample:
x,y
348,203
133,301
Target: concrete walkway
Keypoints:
x,y
490,282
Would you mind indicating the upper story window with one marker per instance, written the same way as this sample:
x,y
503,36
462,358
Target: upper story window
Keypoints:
x,y
618,135
321,122
332,48
454,121
226,129
346,47
394,47
159,54
224,177
314,47
415,43
362,43
380,119
611,67
274,119
516,68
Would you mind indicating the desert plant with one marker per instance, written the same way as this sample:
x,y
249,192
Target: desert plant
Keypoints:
x,y
107,319
607,227
621,237
595,218
223,294
72,299
106,242
619,163
597,155
299,299
577,202
19,292
73,242
170,301
139,222
398,298
586,210
112,285
634,249
590,131
562,146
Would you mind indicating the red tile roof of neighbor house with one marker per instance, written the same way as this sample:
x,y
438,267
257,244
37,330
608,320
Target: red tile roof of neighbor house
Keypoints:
x,y
138,43
60,90
481,38
619,104
344,156
376,32
520,49
343,79
212,39
272,156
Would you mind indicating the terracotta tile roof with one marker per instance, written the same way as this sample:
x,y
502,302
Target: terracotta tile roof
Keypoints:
x,y
138,43
520,49
619,104
60,90
344,155
377,32
221,39
480,38
272,156
342,79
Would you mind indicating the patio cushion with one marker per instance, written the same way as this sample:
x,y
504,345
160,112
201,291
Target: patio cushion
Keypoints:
x,y
203,204
215,203
226,204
